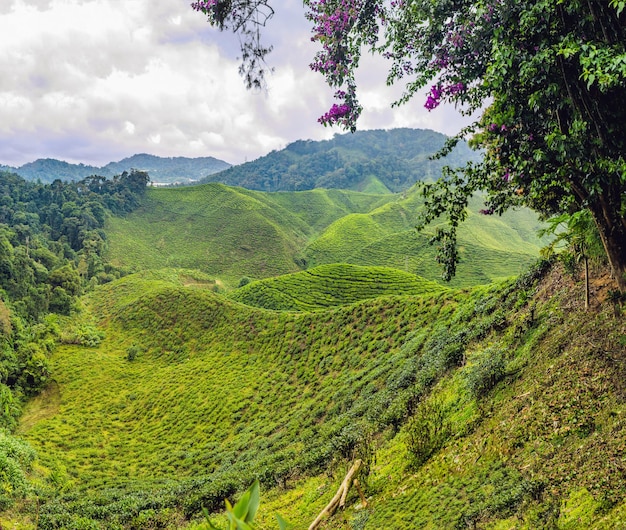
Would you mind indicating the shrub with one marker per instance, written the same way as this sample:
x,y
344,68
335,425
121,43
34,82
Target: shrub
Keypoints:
x,y
16,458
84,335
485,371
426,431
132,352
244,281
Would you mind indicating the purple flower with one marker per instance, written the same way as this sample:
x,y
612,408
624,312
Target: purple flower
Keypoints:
x,y
335,114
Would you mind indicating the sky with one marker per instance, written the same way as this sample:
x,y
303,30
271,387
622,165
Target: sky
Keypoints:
x,y
95,81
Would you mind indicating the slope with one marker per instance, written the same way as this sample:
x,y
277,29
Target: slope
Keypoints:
x,y
374,161
213,228
331,285
217,392
499,407
490,247
232,233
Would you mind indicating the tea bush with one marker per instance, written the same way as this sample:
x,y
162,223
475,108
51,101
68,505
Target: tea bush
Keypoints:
x,y
485,370
426,432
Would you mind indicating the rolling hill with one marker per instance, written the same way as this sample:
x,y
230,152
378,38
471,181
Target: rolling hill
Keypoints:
x,y
376,161
493,407
280,336
232,233
331,285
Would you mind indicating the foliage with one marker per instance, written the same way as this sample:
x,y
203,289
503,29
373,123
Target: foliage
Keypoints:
x,y
426,432
577,232
396,159
548,77
132,352
243,17
484,371
52,240
51,249
242,515
16,459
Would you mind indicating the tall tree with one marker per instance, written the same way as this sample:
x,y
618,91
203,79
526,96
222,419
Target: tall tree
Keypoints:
x,y
549,77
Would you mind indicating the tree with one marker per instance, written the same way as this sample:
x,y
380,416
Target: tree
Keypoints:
x,y
548,76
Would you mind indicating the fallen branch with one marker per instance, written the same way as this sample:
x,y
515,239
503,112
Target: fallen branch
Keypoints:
x,y
339,500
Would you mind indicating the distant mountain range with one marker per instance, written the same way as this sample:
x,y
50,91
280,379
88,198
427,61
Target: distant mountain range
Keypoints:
x,y
166,170
377,161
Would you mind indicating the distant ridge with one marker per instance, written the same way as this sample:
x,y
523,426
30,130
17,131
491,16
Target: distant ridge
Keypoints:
x,y
376,161
165,170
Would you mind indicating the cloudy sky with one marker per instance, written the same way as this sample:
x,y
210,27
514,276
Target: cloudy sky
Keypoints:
x,y
94,81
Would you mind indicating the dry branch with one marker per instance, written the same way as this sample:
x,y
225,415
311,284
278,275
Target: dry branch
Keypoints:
x,y
339,500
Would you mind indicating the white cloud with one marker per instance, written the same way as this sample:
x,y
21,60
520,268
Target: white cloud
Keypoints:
x,y
97,80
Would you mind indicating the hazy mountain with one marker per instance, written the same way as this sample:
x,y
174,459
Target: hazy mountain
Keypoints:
x,y
373,161
169,170
50,169
161,169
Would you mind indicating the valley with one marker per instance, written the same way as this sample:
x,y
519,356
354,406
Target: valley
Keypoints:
x,y
224,335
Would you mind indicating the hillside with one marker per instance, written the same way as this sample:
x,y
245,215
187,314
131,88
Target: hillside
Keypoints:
x,y
232,233
331,285
375,161
496,407
161,169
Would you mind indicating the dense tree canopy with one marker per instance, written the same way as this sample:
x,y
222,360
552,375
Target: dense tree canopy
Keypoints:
x,y
549,77
397,158
51,248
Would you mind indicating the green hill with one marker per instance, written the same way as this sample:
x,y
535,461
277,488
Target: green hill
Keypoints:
x,y
331,285
230,233
497,407
377,161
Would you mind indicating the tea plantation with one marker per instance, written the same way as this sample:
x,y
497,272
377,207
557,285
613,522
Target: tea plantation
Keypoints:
x,y
279,337
490,407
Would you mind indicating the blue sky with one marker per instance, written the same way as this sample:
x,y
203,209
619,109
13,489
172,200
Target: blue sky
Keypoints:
x,y
93,81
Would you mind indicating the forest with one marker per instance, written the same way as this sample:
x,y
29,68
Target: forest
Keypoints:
x,y
52,245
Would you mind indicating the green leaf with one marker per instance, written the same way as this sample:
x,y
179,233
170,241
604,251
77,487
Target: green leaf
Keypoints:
x,y
282,524
208,521
240,510
238,524
254,501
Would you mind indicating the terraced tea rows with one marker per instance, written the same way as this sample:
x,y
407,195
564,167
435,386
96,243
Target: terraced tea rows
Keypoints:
x,y
232,233
331,285
217,391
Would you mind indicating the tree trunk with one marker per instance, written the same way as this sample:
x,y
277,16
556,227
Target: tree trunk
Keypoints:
x,y
612,229
586,260
339,500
